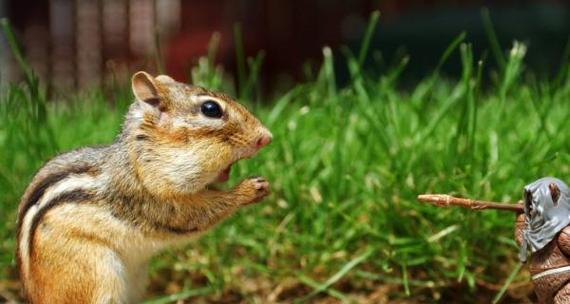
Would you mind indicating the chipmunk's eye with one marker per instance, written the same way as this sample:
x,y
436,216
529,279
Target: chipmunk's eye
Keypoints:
x,y
211,109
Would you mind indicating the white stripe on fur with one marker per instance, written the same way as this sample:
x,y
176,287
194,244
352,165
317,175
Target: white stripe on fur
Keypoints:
x,y
72,182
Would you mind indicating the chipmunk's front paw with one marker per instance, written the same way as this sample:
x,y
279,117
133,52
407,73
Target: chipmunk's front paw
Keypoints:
x,y
254,189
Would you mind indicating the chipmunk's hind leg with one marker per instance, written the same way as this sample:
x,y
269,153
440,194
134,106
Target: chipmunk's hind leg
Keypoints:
x,y
79,272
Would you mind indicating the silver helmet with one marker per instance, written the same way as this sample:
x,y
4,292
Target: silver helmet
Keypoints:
x,y
547,210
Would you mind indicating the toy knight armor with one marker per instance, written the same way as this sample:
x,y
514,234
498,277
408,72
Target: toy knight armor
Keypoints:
x,y
543,229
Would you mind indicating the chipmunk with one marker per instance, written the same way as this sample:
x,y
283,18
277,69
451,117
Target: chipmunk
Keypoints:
x,y
91,219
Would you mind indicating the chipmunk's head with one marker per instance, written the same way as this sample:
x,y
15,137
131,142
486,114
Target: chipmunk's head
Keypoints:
x,y
183,138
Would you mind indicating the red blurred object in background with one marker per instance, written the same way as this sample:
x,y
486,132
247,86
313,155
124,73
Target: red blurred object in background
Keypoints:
x,y
76,43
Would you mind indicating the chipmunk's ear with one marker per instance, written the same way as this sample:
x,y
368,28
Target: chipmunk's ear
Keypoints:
x,y
145,89
165,79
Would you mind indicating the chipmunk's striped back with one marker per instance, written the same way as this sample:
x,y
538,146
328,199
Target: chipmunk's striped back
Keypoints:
x,y
67,179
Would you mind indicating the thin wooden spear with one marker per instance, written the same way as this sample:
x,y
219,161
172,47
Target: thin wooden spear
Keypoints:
x,y
444,200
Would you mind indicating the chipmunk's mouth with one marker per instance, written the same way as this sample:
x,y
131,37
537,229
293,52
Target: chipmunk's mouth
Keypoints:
x,y
224,175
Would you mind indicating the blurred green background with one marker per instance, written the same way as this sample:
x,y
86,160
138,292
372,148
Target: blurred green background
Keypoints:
x,y
424,97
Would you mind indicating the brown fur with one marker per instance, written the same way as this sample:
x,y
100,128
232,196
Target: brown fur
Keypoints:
x,y
91,218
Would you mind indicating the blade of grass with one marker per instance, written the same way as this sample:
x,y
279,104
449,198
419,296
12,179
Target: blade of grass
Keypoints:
x,y
372,22
240,60
183,295
449,50
339,275
564,71
16,52
328,76
508,282
315,285
405,280
493,40
158,55
252,81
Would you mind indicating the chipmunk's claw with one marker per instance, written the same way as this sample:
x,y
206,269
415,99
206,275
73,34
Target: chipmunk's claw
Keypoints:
x,y
256,188
260,183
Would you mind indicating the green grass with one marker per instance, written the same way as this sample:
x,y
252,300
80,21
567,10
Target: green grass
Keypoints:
x,y
345,167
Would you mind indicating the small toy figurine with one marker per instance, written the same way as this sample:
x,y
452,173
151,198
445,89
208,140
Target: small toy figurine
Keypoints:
x,y
544,229
542,226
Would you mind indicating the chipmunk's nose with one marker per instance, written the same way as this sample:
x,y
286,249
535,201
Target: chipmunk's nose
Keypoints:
x,y
263,141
